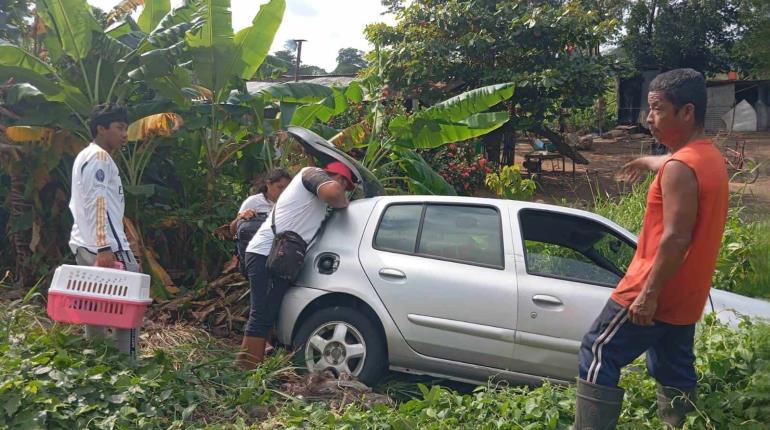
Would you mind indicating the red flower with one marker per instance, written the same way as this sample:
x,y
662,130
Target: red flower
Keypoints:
x,y
482,162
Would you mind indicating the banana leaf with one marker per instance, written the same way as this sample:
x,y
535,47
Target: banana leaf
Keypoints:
x,y
72,23
422,179
154,11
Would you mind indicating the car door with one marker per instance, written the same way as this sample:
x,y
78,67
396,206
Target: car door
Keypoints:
x,y
567,265
441,271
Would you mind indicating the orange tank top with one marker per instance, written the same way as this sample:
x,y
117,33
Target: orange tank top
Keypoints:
x,y
683,297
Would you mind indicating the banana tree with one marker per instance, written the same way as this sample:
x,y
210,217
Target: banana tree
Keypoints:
x,y
31,157
391,143
225,120
83,65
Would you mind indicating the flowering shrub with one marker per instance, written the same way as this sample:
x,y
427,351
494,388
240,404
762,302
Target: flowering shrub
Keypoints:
x,y
460,166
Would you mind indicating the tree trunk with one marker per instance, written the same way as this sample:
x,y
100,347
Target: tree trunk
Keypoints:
x,y
20,207
492,145
509,148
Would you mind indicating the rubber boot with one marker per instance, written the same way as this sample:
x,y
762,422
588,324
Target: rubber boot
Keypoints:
x,y
597,407
674,405
252,352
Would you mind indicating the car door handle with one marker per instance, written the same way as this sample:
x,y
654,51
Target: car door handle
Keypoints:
x,y
392,273
544,299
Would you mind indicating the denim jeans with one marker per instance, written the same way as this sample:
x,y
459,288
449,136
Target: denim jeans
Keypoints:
x,y
127,340
266,296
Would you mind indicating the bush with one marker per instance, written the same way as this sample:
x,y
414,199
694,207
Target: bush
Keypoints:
x,y
460,165
510,184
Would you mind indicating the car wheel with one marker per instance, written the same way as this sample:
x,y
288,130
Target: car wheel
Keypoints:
x,y
343,340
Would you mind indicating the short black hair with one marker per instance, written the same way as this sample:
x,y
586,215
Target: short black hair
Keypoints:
x,y
682,86
105,114
274,176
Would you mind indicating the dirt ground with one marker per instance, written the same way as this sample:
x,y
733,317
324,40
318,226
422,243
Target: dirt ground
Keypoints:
x,y
607,156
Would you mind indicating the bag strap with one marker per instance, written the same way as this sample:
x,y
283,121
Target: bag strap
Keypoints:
x,y
272,223
317,232
320,227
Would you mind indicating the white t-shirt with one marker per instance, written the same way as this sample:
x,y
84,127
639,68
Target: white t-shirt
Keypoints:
x,y
259,203
298,209
97,202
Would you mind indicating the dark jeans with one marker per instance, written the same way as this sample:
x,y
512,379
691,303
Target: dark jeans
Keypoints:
x,y
266,296
614,341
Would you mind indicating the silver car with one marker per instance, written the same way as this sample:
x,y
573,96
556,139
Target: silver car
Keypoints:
x,y
457,287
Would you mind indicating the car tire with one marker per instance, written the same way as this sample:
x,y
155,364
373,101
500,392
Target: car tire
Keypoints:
x,y
342,336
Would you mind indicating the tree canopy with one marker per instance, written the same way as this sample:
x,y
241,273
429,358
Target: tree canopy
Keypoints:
x,y
350,60
712,37
547,49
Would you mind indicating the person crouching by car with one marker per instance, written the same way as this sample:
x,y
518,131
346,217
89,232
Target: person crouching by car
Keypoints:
x,y
252,215
258,206
275,254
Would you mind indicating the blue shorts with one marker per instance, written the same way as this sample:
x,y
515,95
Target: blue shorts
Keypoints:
x,y
614,341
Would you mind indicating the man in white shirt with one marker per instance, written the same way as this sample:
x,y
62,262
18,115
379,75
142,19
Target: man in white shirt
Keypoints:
x,y
97,207
301,208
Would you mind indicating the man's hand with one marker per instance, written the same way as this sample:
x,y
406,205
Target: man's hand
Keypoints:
x,y
105,259
643,309
633,171
247,214
636,169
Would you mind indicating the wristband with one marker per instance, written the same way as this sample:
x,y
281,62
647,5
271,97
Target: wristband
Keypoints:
x,y
103,249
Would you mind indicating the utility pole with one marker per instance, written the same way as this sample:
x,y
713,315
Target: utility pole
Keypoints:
x,y
299,57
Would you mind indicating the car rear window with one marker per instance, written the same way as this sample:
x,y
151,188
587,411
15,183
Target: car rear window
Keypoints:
x,y
462,233
459,233
398,228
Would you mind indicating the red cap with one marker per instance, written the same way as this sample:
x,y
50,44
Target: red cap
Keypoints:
x,y
338,168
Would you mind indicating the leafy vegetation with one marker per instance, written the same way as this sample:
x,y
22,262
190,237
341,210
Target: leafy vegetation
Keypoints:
x,y
510,184
52,378
719,36
548,50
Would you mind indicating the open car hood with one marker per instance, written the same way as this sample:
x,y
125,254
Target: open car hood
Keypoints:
x,y
326,152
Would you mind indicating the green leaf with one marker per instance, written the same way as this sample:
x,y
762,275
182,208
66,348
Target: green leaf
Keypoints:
x,y
252,43
72,23
211,45
13,56
422,180
11,404
121,28
154,11
469,103
432,134
333,104
354,92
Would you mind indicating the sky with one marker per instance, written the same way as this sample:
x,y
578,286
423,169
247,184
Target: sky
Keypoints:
x,y
328,25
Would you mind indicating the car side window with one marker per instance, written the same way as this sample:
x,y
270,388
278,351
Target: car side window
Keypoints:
x,y
398,228
574,248
470,234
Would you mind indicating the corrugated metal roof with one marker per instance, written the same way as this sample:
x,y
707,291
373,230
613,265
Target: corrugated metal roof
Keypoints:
x,y
329,81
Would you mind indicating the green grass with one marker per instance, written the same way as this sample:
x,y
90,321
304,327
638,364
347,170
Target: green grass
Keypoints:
x,y
52,378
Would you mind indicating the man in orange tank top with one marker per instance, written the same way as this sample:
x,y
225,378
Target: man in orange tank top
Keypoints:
x,y
655,306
